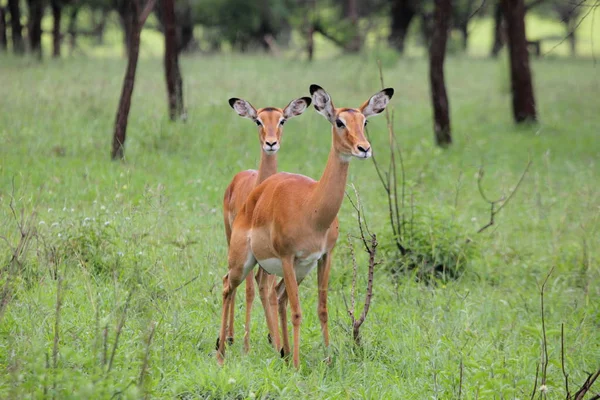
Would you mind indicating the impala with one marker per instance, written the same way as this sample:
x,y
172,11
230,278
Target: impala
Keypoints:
x,y
270,122
288,224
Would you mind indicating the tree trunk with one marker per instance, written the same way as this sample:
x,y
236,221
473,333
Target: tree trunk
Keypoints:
x,y
133,51
136,21
355,42
73,28
172,72
402,13
3,39
522,87
571,27
56,39
36,12
16,28
99,27
437,53
464,30
125,11
498,31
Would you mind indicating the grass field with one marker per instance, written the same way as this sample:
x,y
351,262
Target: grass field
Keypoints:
x,y
140,244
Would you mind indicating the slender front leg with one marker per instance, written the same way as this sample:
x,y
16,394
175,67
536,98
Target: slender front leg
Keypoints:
x,y
230,328
272,292
282,299
323,283
263,290
238,258
249,301
291,288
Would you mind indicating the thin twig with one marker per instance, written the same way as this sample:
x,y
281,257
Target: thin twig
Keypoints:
x,y
537,370
119,329
562,359
502,201
544,338
56,332
147,354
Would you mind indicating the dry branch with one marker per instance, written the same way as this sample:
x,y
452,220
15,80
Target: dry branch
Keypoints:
x,y
497,205
370,246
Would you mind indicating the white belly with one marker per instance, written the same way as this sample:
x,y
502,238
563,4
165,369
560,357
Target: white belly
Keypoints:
x,y
303,266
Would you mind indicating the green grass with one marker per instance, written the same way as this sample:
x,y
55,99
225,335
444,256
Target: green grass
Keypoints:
x,y
152,227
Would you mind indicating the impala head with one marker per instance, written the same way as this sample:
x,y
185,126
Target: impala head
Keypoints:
x,y
270,120
348,124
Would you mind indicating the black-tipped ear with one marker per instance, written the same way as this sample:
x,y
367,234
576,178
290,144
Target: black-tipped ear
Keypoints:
x,y
243,108
308,100
313,88
377,103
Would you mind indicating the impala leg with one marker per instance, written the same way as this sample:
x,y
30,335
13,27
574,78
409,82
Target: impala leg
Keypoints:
x,y
240,260
231,315
291,288
263,289
272,292
323,283
282,299
249,301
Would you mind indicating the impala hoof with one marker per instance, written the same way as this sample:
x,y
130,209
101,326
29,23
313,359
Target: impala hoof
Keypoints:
x,y
282,353
217,345
269,338
229,341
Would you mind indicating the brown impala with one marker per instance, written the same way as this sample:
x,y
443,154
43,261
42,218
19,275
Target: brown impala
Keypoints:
x,y
288,225
270,122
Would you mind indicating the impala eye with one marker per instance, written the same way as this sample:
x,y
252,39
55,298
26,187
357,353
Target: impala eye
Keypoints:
x,y
339,123
366,122
282,122
258,123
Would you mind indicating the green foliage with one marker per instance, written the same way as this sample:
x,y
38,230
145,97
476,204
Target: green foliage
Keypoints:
x,y
164,248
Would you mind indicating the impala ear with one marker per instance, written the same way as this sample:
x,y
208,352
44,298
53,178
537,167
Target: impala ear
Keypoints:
x,y
377,103
322,102
296,107
243,108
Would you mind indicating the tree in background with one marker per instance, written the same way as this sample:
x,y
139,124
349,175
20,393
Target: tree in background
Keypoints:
x,y
402,14
568,13
137,18
522,88
16,29
56,6
3,39
172,72
34,26
437,52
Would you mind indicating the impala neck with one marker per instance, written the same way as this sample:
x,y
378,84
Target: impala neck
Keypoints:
x,y
328,195
267,166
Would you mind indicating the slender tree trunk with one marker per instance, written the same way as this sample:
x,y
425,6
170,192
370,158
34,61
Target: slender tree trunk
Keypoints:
x,y
352,15
36,12
402,14
138,17
73,28
498,31
16,28
125,10
3,39
571,26
56,39
437,53
133,51
522,87
464,30
172,72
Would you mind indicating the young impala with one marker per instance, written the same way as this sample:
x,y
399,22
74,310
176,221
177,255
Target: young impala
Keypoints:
x,y
289,223
270,122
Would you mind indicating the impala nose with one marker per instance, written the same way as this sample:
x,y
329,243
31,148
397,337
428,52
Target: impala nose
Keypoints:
x,y
271,144
361,148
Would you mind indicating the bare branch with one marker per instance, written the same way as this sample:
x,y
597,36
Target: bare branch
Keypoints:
x,y
146,12
562,359
502,201
544,339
